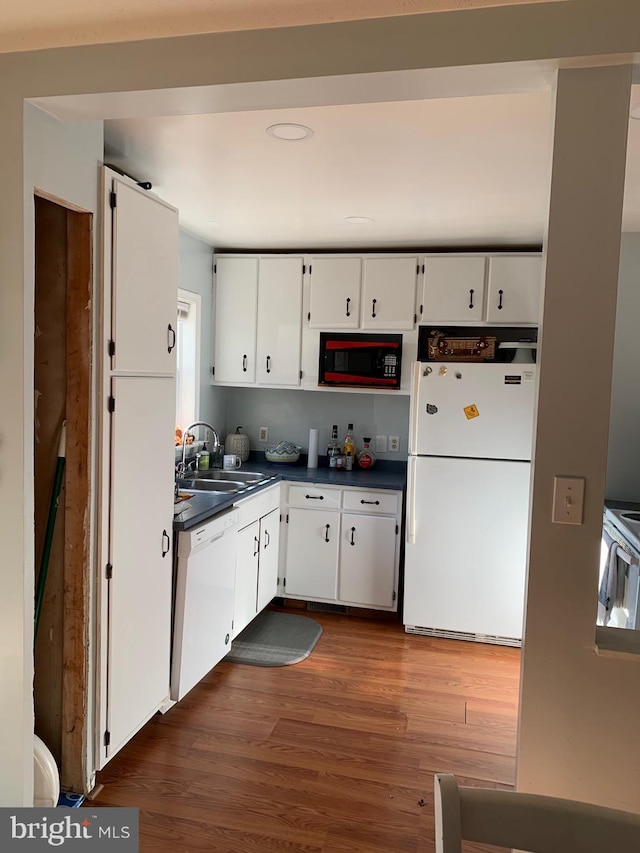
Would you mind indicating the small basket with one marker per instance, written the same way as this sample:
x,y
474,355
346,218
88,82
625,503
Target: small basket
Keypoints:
x,y
442,348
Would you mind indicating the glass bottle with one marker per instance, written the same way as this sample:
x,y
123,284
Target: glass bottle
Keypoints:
x,y
366,457
335,448
348,447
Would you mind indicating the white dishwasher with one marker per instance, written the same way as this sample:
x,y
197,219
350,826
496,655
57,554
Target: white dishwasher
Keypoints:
x,y
204,599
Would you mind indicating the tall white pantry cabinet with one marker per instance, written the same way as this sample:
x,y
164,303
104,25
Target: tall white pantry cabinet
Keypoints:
x,y
136,405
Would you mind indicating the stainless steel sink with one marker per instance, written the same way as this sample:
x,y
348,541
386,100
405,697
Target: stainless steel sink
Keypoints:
x,y
200,485
235,476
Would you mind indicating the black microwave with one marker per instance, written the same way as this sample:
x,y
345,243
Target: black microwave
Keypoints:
x,y
360,360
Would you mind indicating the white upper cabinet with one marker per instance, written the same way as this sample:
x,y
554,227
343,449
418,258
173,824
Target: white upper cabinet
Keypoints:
x,y
480,289
389,293
236,311
144,275
279,321
513,289
453,289
334,301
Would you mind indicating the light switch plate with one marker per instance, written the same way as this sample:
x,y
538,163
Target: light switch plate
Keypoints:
x,y
381,444
394,443
263,434
568,500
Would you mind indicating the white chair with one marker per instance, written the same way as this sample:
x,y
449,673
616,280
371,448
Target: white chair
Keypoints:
x,y
528,822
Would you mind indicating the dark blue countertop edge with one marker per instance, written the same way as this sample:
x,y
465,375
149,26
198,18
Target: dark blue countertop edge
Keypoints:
x,y
204,505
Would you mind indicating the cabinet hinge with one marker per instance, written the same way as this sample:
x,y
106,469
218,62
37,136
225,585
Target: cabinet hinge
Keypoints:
x,y
304,269
107,738
112,199
111,404
108,573
397,530
112,348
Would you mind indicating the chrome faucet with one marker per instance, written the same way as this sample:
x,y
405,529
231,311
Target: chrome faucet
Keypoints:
x,y
216,442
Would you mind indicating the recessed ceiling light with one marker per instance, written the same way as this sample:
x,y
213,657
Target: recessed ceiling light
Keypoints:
x,y
358,220
634,112
290,132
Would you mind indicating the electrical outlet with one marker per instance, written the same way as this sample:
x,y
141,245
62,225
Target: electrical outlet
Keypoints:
x,y
394,443
264,434
381,444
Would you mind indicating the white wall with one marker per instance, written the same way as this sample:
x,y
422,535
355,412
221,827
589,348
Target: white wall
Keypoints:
x,y
290,414
623,464
62,160
195,274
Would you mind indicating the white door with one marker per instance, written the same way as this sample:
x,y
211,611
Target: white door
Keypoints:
x,y
236,309
334,301
367,560
389,293
279,321
475,410
465,570
246,594
141,520
312,553
268,570
514,289
144,282
453,289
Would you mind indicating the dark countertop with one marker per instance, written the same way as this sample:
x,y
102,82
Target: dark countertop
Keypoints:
x,y
204,505
630,505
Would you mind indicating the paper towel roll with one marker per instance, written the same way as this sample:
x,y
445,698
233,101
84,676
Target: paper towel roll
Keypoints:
x,y
312,459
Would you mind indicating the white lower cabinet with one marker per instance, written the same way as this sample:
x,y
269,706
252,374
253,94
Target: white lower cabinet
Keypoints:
x,y
311,568
367,560
257,556
342,546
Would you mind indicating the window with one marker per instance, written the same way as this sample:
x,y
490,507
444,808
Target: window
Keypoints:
x,y
188,358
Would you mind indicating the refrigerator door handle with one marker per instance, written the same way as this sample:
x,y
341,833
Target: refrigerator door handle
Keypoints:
x,y
414,407
411,501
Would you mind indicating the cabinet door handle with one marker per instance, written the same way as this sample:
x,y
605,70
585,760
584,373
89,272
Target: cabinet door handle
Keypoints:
x,y
373,307
348,305
267,539
376,503
257,544
353,531
326,532
471,292
500,295
165,538
171,338
244,363
268,364
314,497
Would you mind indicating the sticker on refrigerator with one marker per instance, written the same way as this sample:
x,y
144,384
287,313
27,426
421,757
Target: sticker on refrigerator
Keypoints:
x,y
513,379
471,412
431,409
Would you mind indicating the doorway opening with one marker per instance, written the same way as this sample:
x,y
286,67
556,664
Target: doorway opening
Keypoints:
x,y
62,394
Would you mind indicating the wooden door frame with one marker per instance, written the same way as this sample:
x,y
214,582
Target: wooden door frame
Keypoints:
x,y
78,510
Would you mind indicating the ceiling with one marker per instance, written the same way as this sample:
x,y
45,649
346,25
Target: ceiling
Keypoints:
x,y
466,171
42,23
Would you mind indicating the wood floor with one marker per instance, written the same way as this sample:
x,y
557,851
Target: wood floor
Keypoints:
x,y
335,754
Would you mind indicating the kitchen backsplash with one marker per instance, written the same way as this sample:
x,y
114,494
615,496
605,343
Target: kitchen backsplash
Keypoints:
x,y
290,414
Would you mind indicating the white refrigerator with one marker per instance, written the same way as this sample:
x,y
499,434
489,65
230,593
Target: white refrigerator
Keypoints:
x,y
470,440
